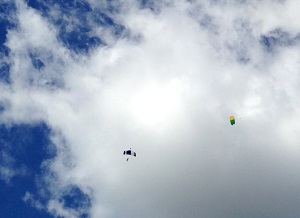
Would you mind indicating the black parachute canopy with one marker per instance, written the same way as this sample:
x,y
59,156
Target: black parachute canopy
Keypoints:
x,y
129,152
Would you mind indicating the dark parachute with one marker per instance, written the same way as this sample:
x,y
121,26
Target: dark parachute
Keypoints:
x,y
129,152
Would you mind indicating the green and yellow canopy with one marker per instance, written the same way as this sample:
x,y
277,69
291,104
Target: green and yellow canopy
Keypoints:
x,y
232,120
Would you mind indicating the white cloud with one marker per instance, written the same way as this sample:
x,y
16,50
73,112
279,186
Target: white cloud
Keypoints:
x,y
8,167
29,198
57,209
169,95
6,173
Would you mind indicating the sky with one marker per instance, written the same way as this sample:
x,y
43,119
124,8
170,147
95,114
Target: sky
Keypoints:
x,y
81,81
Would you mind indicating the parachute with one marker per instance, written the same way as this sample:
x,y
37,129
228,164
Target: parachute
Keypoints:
x,y
129,152
232,120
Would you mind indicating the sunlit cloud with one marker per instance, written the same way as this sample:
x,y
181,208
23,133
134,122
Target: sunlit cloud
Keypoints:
x,y
162,79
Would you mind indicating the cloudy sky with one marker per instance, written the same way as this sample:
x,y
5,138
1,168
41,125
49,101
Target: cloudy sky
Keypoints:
x,y
83,80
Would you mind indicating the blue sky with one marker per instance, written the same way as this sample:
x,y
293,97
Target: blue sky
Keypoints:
x,y
27,147
81,81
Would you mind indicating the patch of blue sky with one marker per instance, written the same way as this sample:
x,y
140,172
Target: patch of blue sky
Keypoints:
x,y
277,38
12,205
7,21
76,22
74,198
147,4
28,147
36,62
4,104
154,6
2,108
5,72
